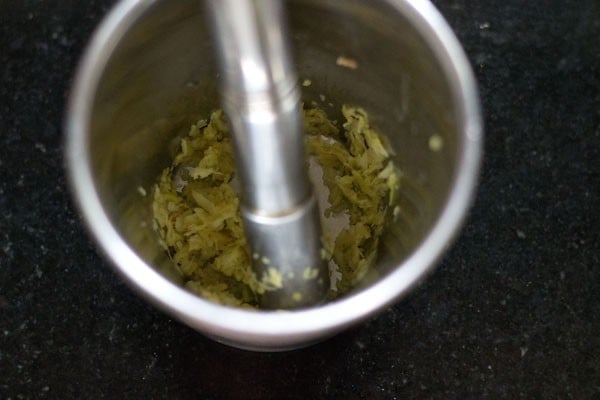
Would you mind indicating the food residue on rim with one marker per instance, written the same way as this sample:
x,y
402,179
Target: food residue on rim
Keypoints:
x,y
436,143
346,62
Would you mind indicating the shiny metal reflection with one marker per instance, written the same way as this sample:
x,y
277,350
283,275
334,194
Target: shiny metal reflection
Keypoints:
x,y
149,72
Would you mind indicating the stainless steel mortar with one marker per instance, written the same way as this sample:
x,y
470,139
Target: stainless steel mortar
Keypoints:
x,y
150,71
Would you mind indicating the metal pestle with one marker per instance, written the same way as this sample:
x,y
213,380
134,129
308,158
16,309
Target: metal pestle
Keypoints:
x,y
261,98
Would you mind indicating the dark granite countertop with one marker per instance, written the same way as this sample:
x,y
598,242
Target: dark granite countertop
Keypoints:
x,y
512,312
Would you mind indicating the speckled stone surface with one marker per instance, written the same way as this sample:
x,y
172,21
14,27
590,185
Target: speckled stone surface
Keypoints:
x,y
512,312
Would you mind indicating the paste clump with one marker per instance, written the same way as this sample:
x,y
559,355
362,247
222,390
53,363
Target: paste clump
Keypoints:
x,y
197,216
